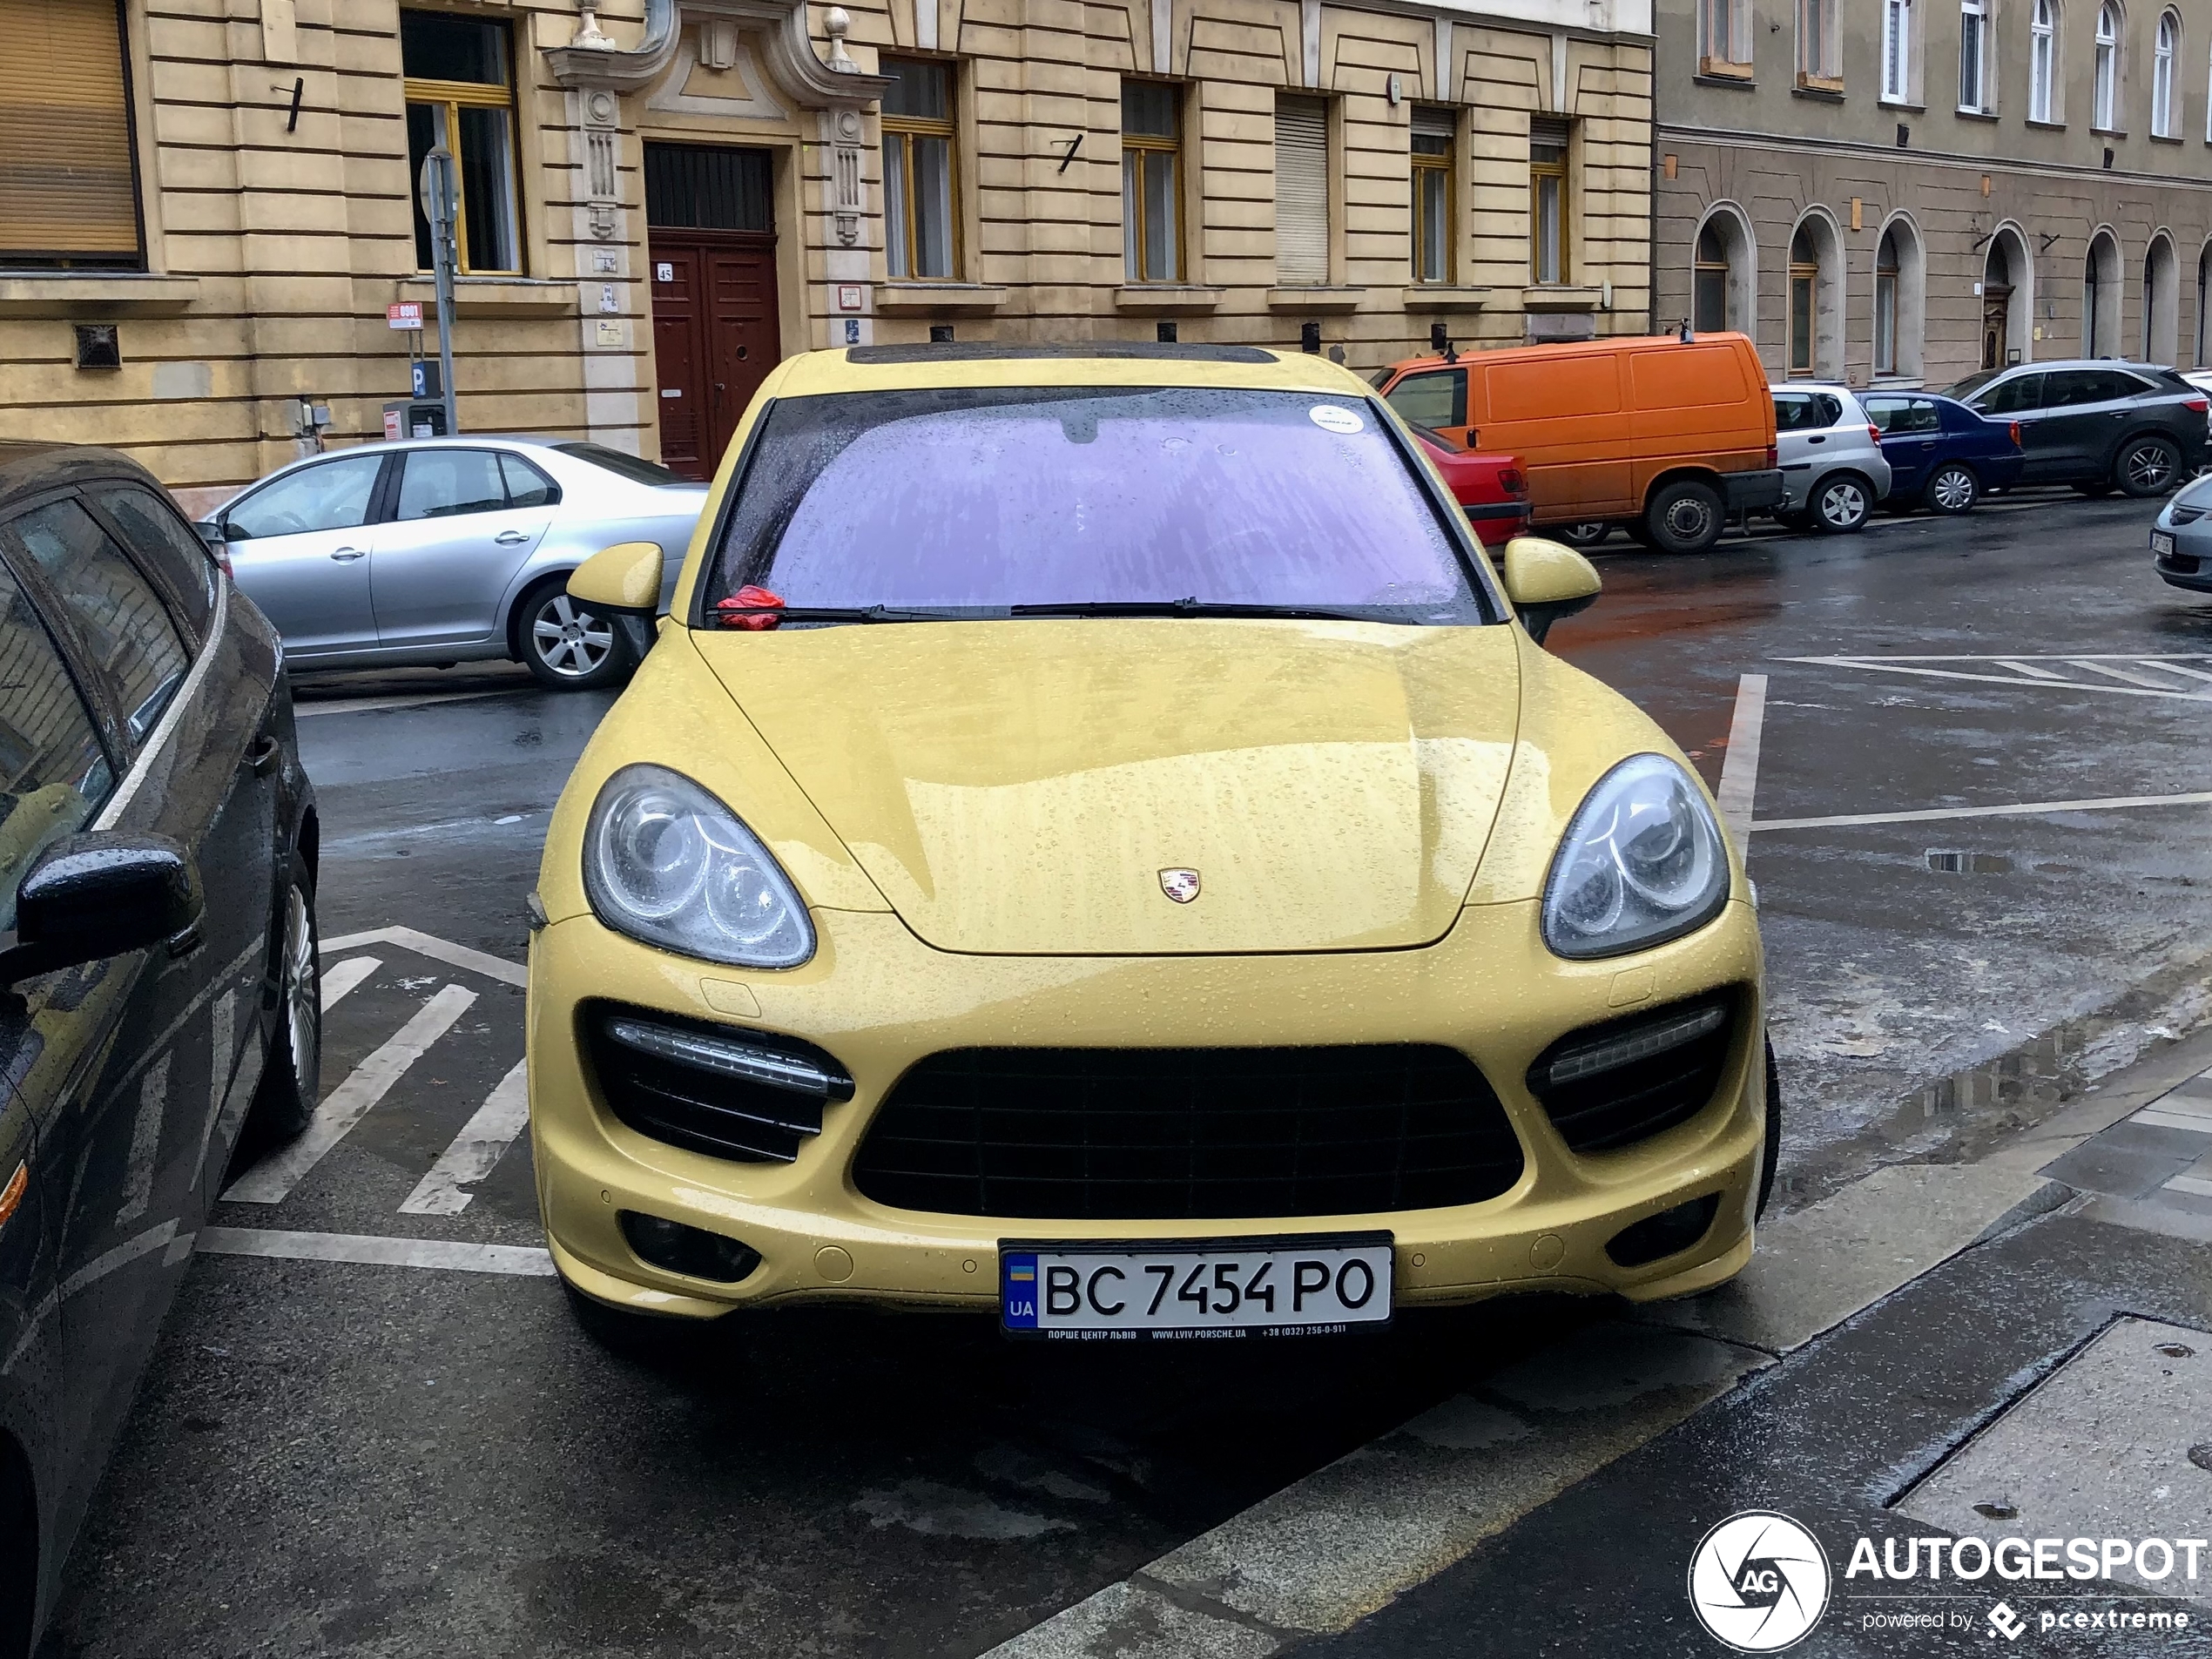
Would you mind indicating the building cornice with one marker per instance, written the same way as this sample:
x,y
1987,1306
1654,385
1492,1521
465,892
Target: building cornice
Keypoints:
x,y
1665,132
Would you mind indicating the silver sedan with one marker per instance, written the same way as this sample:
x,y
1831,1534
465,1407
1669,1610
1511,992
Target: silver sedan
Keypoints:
x,y
451,550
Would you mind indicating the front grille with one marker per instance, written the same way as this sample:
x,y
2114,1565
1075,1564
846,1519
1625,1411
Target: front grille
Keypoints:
x,y
2180,563
723,1090
1614,1084
1188,1134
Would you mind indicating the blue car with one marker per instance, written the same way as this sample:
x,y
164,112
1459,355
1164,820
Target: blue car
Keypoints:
x,y
1942,455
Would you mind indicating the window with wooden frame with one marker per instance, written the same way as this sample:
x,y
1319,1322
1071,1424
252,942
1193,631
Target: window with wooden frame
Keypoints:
x,y
1724,38
68,192
1151,181
461,93
1301,191
1708,282
1435,133
1804,278
1820,47
1548,139
921,227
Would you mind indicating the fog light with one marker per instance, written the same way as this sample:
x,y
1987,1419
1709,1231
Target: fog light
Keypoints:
x,y
1665,1234
692,1251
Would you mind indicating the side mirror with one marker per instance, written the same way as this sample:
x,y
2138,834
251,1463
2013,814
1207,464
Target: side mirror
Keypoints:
x,y
212,532
1545,581
625,578
101,894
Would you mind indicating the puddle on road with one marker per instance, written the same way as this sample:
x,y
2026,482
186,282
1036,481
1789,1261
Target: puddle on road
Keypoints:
x,y
1950,863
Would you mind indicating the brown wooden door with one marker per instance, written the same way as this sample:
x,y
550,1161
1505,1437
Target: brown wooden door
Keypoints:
x,y
1996,323
715,338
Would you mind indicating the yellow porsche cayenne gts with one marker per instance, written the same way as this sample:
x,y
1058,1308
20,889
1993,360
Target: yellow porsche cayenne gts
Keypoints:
x,y
1094,841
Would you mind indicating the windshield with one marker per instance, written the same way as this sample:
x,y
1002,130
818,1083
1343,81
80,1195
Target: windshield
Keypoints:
x,y
990,501
1971,384
630,467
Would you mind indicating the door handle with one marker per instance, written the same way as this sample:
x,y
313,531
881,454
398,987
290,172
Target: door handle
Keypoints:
x,y
347,554
262,759
1817,440
510,538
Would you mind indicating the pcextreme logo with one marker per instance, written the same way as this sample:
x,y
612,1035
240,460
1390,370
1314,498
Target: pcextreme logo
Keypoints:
x,y
1758,1581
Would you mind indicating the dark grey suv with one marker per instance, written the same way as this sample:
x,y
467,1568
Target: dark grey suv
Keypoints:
x,y
2095,424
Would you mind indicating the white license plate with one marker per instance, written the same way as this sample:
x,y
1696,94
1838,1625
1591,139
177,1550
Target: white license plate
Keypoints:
x,y
1322,1285
2161,545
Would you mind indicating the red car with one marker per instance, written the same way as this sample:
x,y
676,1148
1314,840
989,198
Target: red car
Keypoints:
x,y
1492,489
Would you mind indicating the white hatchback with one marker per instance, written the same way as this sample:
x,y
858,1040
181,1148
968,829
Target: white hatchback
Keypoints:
x,y
1832,468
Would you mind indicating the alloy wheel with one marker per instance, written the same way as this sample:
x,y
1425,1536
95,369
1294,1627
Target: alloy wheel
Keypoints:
x,y
302,989
1842,505
569,640
2149,469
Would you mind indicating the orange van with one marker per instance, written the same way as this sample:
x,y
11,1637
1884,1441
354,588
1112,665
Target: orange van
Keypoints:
x,y
1671,437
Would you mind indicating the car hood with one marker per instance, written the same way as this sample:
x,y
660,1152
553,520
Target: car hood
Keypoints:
x,y
1020,788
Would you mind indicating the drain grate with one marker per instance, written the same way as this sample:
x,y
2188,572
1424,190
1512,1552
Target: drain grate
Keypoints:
x,y
1947,862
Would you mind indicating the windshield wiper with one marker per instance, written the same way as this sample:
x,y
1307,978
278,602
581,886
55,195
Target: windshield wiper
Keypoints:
x,y
1191,607
830,613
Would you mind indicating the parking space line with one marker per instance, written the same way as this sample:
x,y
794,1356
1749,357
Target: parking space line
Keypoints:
x,y
2151,1117
272,1180
1740,765
2044,683
476,1151
341,977
438,950
2032,670
2025,809
2128,674
369,704
2195,1185
515,1260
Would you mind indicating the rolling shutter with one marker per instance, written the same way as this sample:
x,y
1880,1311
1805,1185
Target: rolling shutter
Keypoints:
x,y
67,188
1301,193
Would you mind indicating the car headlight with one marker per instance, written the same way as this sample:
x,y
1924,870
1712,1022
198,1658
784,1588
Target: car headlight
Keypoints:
x,y
666,863
1642,862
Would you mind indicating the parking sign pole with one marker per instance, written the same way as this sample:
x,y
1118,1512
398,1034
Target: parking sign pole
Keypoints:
x,y
435,186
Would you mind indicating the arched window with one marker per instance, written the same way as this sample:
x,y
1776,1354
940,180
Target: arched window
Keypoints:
x,y
1973,55
2042,55
2106,116
1708,304
2162,76
1804,281
1886,272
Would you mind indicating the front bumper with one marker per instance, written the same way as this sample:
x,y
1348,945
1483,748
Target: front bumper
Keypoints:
x,y
879,999
2190,566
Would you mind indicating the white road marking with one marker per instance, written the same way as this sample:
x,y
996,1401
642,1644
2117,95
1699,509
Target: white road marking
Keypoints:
x,y
367,705
521,1260
2131,675
2026,809
2173,668
146,1141
1740,767
2196,1185
341,977
476,1151
438,950
2151,1117
272,1180
2029,668
2046,681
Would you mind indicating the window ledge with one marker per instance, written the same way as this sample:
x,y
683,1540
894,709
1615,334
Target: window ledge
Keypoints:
x,y
1818,86
1560,296
918,298
2046,127
517,297
1315,299
1742,83
84,294
1978,115
1168,299
1444,296
2107,132
1722,68
2165,138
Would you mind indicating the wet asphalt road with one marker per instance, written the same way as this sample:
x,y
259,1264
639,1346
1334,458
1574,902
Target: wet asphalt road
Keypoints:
x,y
333,1459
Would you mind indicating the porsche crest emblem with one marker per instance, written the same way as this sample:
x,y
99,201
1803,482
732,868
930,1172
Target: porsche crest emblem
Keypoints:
x,y
1182,885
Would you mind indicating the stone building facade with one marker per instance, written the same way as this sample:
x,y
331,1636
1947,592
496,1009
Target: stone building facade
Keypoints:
x,y
1906,191
210,204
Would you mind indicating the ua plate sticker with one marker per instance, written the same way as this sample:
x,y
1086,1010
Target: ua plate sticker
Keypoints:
x,y
1171,1291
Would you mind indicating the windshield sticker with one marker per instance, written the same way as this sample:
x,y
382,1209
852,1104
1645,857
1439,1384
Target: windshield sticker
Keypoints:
x,y
1334,417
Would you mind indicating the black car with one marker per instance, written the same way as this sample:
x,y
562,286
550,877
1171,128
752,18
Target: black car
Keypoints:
x,y
158,956
2095,424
